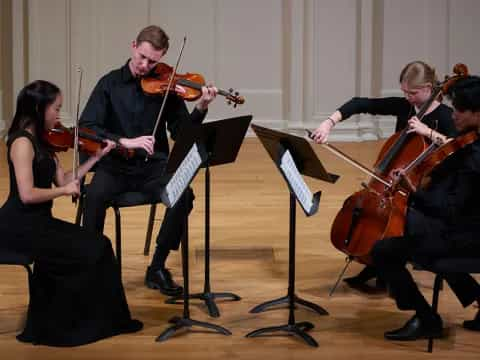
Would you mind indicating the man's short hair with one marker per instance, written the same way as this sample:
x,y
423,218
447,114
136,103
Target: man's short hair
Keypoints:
x,y
155,36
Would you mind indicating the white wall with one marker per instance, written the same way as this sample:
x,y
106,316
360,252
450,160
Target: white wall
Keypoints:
x,y
295,61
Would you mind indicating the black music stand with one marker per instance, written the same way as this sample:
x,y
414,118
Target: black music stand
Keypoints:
x,y
282,146
221,140
184,181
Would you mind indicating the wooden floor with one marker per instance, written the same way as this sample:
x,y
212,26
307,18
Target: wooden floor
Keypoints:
x,y
249,235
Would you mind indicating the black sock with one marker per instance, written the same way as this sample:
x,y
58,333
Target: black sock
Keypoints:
x,y
427,317
159,258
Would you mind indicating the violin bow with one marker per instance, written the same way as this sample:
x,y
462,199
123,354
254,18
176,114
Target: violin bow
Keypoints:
x,y
170,82
75,131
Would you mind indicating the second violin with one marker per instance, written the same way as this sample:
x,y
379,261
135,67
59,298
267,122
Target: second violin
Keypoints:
x,y
61,138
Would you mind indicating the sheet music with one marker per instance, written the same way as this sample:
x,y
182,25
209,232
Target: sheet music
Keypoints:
x,y
182,177
298,185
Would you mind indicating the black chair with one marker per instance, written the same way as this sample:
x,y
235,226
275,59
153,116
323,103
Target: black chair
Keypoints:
x,y
8,257
445,266
123,200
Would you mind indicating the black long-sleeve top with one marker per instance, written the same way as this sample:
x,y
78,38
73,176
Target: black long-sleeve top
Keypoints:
x,y
439,119
118,108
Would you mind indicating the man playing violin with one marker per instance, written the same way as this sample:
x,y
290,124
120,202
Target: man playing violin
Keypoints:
x,y
119,110
442,221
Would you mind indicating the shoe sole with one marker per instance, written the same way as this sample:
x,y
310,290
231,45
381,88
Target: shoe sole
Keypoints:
x,y
422,337
154,286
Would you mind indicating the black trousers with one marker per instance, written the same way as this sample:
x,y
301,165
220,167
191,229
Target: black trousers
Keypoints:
x,y
424,236
145,177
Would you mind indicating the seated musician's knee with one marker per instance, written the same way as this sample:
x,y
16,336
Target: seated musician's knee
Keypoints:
x,y
381,253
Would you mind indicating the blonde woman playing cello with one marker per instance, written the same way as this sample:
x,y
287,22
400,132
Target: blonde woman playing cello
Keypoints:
x,y
417,80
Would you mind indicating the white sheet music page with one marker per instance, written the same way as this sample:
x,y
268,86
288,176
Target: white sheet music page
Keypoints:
x,y
295,179
182,177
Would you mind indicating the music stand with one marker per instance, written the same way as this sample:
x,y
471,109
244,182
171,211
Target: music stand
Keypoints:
x,y
221,140
293,156
176,186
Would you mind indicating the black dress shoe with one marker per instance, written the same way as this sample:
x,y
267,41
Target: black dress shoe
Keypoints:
x,y
161,279
132,326
361,281
473,324
414,329
367,273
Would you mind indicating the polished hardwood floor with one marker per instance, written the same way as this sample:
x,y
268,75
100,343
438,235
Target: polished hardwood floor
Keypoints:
x,y
249,235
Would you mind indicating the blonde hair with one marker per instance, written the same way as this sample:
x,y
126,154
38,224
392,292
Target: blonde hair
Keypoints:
x,y
417,74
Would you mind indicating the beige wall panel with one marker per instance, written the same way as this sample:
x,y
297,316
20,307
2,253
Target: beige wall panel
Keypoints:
x,y
49,45
249,55
101,35
334,57
295,61
413,30
464,30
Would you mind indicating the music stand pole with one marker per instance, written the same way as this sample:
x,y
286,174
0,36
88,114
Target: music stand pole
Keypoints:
x,y
291,327
222,140
207,295
294,157
186,321
174,193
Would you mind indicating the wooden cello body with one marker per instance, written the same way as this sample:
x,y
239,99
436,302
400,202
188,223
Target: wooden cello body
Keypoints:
x,y
376,211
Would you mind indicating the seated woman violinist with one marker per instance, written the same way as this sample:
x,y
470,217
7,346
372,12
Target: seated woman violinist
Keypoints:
x,y
77,296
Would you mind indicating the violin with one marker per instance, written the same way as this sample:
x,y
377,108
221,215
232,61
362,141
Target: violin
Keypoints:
x,y
423,166
61,138
157,84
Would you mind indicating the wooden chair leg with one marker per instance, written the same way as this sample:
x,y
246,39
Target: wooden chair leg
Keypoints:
x,y
118,238
148,237
79,215
436,290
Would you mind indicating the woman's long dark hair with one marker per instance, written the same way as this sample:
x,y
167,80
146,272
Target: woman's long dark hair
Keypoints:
x,y
32,101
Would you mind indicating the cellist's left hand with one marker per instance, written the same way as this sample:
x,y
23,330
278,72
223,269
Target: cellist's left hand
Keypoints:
x,y
416,126
401,179
209,93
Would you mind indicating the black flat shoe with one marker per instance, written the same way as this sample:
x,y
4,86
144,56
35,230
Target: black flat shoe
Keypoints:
x,y
367,273
414,330
161,279
132,326
473,324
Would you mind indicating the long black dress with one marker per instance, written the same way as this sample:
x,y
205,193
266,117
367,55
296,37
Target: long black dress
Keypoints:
x,y
77,295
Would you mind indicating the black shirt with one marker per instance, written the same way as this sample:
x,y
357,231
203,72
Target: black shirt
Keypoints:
x,y
118,108
439,119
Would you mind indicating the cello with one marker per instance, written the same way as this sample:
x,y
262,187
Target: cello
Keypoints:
x,y
378,210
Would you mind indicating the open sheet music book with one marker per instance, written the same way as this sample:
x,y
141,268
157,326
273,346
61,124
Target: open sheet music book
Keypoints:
x,y
182,177
297,184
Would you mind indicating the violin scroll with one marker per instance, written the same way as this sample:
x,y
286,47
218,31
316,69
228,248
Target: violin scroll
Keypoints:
x,y
460,70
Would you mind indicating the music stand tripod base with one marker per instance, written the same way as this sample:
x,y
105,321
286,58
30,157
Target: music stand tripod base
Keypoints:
x,y
284,300
222,140
185,322
298,329
294,157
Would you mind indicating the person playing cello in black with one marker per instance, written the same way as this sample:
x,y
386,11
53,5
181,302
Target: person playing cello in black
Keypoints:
x,y
416,81
442,220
